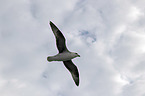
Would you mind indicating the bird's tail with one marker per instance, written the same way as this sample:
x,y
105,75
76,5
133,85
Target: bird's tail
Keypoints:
x,y
49,59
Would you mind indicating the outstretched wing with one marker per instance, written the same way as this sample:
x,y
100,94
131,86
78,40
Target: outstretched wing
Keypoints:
x,y
73,70
60,39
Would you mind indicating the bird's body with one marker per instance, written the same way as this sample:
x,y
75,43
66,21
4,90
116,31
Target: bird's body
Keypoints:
x,y
64,54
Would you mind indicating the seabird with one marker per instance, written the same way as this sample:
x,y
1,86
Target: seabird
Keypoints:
x,y
64,54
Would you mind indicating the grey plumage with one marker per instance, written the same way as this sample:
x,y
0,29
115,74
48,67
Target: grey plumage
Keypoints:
x,y
64,54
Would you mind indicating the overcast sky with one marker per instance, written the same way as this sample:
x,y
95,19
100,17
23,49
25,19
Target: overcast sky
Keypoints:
x,y
108,34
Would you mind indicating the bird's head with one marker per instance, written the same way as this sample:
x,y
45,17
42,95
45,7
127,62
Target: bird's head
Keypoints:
x,y
77,55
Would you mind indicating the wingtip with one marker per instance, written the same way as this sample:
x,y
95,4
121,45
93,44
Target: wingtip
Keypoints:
x,y
77,84
50,22
76,80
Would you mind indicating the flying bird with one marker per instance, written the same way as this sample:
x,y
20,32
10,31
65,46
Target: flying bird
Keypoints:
x,y
64,54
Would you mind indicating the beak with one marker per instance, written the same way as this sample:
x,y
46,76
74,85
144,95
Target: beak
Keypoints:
x,y
79,56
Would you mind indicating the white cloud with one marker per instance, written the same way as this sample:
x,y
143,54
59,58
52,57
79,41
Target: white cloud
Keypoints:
x,y
109,36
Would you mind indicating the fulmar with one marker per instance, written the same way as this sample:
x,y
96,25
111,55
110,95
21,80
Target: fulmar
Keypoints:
x,y
64,54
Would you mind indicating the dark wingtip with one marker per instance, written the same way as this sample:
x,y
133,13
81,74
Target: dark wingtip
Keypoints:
x,y
50,23
77,84
76,80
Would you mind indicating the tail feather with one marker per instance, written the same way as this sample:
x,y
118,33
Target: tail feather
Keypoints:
x,y
49,59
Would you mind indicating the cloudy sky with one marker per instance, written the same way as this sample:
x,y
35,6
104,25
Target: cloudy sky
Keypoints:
x,y
108,34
